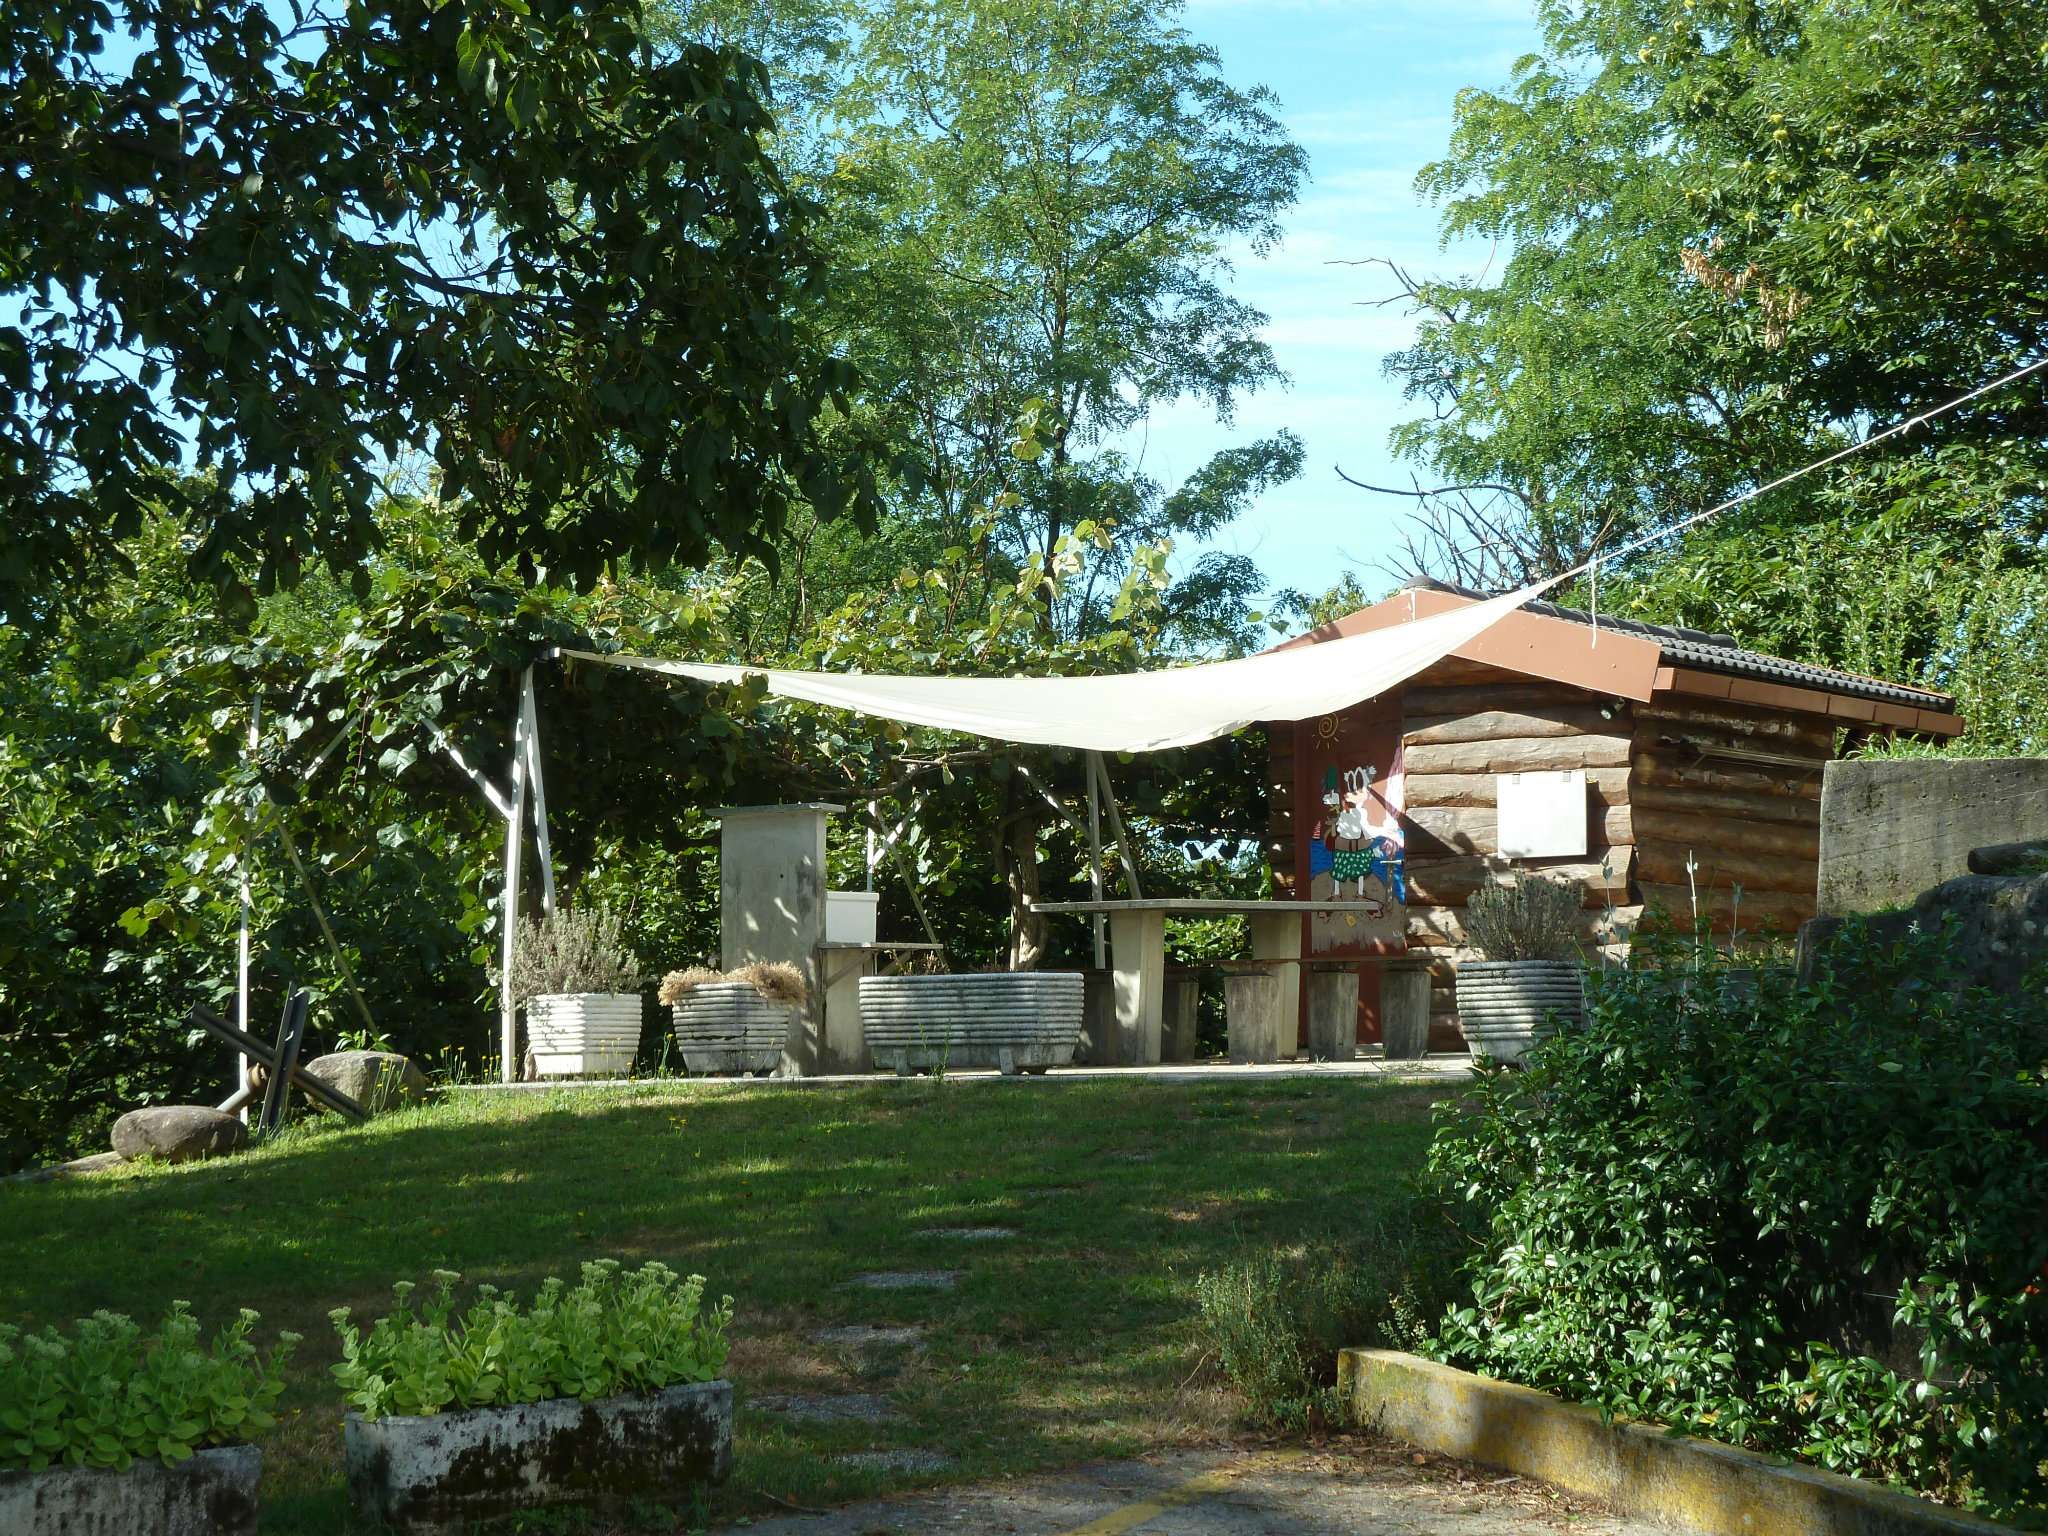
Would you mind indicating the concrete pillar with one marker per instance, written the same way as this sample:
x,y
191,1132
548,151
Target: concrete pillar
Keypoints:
x,y
1276,937
1404,1008
1252,1009
1137,959
1333,1012
846,1044
1177,1031
771,904
1098,1047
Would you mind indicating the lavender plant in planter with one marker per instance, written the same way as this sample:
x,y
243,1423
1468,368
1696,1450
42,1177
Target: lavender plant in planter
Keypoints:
x,y
104,1430
1530,981
580,987
600,1394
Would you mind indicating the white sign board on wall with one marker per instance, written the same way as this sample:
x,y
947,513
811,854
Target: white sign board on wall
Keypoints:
x,y
1541,815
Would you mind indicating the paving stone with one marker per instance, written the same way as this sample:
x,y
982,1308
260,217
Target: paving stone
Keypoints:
x,y
908,1280
836,1407
972,1234
896,1461
863,1338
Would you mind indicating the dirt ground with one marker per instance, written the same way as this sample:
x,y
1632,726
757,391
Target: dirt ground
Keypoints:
x,y
1347,1487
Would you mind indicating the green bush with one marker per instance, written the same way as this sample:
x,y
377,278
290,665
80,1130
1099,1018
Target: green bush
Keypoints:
x,y
1275,1320
1805,1218
104,1395
614,1331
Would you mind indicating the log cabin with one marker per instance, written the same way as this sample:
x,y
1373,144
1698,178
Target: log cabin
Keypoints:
x,y
1655,766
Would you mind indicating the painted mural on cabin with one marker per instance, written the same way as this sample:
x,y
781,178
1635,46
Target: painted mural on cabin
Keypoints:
x,y
1356,852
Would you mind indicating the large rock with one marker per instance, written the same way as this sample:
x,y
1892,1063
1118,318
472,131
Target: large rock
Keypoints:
x,y
377,1080
2001,934
177,1133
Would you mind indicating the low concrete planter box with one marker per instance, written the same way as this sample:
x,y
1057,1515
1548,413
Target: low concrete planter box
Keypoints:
x,y
211,1494
583,1034
727,1026
437,1474
1506,1006
1675,1481
1015,1021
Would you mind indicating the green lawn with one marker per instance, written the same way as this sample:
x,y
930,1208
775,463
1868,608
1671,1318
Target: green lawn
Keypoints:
x,y
1068,1341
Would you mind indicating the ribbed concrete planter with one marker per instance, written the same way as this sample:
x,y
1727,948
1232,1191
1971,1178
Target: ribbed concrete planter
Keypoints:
x,y
726,1026
439,1473
1015,1021
583,1034
1506,1006
211,1494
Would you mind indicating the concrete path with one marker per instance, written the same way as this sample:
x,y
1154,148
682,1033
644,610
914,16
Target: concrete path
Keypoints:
x,y
1345,1488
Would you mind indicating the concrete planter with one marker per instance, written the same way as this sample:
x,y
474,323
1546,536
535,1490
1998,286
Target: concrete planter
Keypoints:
x,y
726,1026
439,1473
583,1034
1015,1021
211,1494
1506,1006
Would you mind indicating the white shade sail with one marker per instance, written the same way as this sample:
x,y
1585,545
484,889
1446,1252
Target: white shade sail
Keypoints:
x,y
1131,711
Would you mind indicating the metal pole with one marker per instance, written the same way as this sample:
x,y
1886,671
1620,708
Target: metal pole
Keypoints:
x,y
1095,860
515,826
530,717
248,906
1116,827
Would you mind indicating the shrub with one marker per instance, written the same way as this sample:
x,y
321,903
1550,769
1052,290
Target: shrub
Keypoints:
x,y
104,1395
614,1331
1533,917
572,951
1802,1217
1275,1320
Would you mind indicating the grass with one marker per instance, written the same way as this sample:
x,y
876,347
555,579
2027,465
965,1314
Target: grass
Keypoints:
x,y
1071,1340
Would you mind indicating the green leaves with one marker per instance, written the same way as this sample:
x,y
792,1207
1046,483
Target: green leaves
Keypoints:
x,y
102,1395
1739,1205
587,342
613,1331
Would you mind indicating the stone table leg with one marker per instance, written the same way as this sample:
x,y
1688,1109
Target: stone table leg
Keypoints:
x,y
1277,936
846,1046
1137,956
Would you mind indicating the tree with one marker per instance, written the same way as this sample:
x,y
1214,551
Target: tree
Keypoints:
x,y
1743,236
1034,205
279,254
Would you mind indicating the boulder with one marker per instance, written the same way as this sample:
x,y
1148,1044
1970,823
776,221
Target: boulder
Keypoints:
x,y
2001,935
177,1133
377,1080
2027,858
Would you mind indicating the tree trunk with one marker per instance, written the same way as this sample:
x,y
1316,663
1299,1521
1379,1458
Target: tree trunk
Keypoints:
x,y
1017,848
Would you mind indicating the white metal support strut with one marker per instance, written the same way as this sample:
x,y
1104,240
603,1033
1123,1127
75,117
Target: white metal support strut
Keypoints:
x,y
508,916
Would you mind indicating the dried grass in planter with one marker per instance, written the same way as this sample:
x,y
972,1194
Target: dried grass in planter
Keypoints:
x,y
776,980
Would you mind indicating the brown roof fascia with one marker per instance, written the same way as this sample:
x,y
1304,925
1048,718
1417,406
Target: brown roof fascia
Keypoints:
x,y
1936,723
1812,701
1534,644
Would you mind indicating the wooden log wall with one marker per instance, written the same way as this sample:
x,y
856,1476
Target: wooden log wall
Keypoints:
x,y
1732,787
1464,723
1735,789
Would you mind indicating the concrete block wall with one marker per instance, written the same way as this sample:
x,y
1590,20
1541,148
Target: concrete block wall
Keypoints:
x,y
1890,829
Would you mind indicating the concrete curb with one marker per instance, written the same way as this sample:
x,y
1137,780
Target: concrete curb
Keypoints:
x,y
1692,1485
1447,1068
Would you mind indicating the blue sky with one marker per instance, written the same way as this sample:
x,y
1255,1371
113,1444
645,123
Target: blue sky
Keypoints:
x,y
1366,89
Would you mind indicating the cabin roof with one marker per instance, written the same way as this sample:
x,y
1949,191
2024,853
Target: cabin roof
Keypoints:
x,y
1687,659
